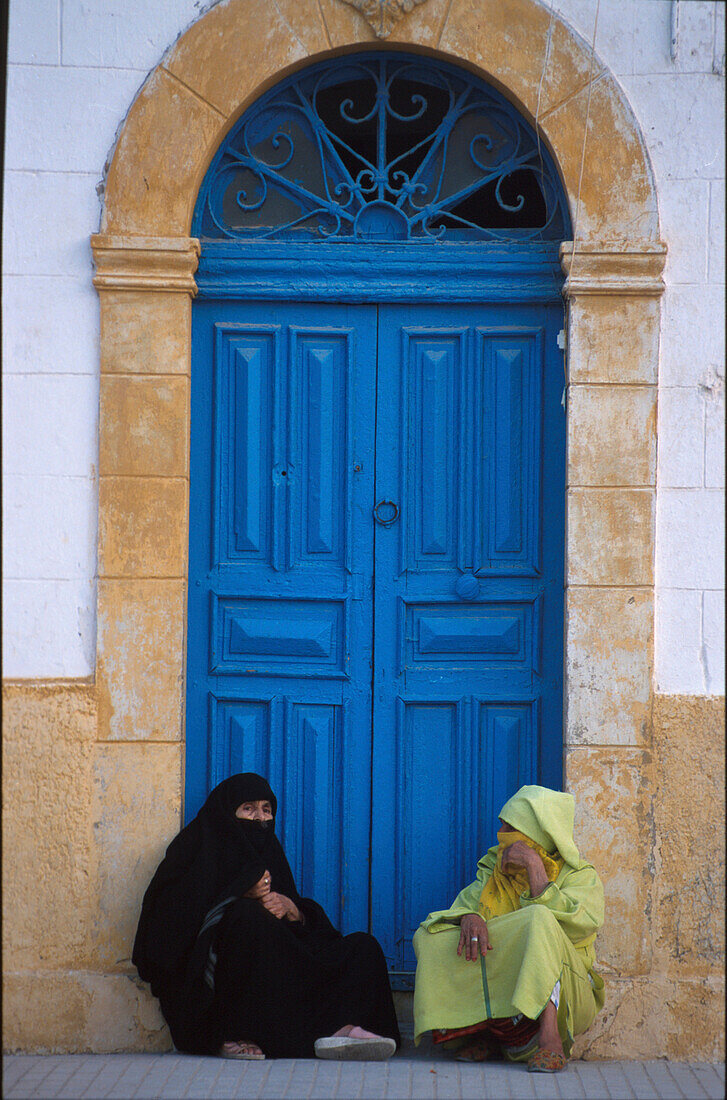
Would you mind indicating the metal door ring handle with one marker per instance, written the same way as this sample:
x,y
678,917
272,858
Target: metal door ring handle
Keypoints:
x,y
386,521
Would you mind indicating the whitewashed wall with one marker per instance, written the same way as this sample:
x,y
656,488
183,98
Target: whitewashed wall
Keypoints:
x,y
75,67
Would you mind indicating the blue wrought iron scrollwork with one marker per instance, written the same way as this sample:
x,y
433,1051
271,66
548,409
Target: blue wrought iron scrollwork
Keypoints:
x,y
383,147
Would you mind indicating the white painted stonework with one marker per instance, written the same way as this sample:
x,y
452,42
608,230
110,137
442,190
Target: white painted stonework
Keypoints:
x,y
74,69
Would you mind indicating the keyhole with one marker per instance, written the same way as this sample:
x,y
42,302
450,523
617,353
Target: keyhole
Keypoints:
x,y
283,473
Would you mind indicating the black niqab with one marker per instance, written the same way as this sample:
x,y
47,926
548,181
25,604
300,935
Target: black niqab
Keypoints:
x,y
219,962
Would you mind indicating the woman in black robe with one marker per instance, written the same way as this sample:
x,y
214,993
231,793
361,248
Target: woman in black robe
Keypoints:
x,y
240,961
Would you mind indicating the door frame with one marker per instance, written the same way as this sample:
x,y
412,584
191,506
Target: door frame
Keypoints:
x,y
145,262
386,273
371,273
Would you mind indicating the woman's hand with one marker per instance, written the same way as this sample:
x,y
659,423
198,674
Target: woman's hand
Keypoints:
x,y
522,855
281,906
261,888
473,937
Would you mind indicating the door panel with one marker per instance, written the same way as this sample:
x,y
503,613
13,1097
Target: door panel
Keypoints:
x,y
459,596
395,680
281,568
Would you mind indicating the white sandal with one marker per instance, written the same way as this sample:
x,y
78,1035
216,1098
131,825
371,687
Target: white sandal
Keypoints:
x,y
345,1049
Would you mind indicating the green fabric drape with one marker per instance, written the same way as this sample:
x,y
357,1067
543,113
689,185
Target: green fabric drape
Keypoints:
x,y
548,939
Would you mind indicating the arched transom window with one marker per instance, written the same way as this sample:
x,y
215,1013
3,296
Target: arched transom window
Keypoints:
x,y
381,147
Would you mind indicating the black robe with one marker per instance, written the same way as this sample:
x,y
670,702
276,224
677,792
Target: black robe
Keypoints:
x,y
224,968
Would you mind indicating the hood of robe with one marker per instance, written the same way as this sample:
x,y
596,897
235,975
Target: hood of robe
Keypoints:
x,y
546,817
219,810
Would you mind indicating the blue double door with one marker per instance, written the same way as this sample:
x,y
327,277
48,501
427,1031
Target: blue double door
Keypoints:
x,y
376,585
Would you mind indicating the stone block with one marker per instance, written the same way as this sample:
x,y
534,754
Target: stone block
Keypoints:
x,y
344,24
613,339
49,125
692,335
49,629
681,438
140,674
38,336
609,646
616,200
511,42
713,637
136,811
238,48
131,35
687,140
614,34
49,527
50,867
33,34
614,794
610,537
599,415
143,526
62,248
652,33
678,659
689,836
716,240
653,1017
144,426
690,538
145,332
712,391
684,216
52,429
160,158
49,1012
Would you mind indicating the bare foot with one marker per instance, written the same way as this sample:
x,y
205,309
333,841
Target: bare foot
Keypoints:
x,y
548,1036
350,1031
242,1050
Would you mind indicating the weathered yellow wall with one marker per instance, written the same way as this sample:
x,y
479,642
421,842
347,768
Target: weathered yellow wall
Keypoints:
x,y
651,818
663,865
72,880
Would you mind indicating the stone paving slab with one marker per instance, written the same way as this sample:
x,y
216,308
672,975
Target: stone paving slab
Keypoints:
x,y
184,1077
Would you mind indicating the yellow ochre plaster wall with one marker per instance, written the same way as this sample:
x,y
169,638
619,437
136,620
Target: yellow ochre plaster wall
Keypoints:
x,y
93,773
650,818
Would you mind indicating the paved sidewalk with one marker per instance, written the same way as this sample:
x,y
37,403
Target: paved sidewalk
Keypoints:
x,y
174,1076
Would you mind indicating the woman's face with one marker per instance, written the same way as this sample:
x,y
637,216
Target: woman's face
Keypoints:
x,y
255,811
505,828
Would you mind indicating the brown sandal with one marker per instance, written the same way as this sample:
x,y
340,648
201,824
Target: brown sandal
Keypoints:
x,y
241,1051
546,1061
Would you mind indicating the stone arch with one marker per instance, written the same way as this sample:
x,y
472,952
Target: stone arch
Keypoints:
x,y
239,48
145,263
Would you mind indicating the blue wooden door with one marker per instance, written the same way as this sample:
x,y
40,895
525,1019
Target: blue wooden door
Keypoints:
x,y
468,619
371,583
281,566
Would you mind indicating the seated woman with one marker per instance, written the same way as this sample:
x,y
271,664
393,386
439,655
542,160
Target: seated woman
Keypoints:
x,y
242,965
508,970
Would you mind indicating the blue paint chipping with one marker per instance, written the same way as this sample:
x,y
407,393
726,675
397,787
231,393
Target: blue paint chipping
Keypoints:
x,y
395,680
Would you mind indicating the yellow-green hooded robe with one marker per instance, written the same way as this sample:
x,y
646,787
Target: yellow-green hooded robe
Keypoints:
x,y
550,938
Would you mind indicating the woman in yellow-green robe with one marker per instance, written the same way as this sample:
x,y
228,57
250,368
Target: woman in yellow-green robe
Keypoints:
x,y
509,968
